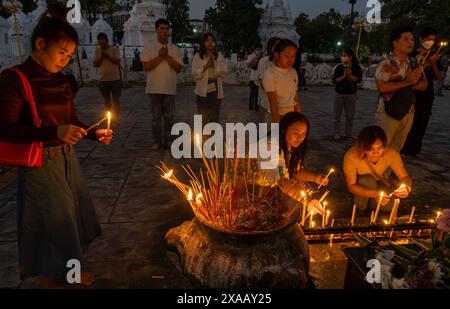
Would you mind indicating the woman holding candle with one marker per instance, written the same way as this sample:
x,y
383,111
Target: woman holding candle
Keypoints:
x,y
290,173
366,169
56,217
209,68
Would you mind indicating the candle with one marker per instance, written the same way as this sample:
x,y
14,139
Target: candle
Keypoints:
x,y
311,219
438,215
402,186
313,224
108,126
372,215
411,217
97,124
324,196
327,218
353,215
382,194
326,178
394,211
331,240
332,223
305,205
324,214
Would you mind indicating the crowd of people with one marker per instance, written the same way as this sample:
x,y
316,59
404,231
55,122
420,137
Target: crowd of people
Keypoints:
x,y
56,216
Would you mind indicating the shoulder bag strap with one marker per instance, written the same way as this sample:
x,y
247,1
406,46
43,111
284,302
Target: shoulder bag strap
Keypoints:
x,y
29,96
376,175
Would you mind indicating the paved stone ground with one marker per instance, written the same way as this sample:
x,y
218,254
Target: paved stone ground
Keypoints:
x,y
136,208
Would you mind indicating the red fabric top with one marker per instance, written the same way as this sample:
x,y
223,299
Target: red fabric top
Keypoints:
x,y
54,103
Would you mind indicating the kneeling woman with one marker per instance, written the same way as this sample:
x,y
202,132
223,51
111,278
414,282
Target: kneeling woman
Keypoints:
x,y
56,217
290,173
367,169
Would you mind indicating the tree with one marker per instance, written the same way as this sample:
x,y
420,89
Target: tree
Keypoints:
x,y
236,22
415,13
178,14
322,33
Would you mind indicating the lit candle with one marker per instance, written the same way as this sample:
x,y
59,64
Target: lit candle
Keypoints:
x,y
108,124
324,214
190,196
313,224
438,215
411,217
311,219
326,178
372,215
332,223
402,186
382,194
353,215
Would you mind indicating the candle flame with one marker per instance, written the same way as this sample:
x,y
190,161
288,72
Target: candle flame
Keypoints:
x,y
328,212
168,175
303,194
313,224
108,115
386,222
382,194
198,198
197,139
190,196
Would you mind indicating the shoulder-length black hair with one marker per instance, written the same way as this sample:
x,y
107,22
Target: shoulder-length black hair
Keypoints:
x,y
368,137
202,51
349,52
53,30
298,154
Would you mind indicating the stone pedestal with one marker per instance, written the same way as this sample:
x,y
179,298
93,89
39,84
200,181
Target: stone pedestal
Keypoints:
x,y
219,259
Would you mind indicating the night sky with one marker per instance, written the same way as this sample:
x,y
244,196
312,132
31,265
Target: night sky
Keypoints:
x,y
310,7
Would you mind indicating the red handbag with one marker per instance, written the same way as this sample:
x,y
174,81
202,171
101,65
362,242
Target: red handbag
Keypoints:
x,y
26,155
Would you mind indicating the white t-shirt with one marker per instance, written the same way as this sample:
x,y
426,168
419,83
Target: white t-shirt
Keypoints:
x,y
284,82
162,79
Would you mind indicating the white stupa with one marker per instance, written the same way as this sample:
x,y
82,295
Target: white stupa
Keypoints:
x,y
277,21
139,29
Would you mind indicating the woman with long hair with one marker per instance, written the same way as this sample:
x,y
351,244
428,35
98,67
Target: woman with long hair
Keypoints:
x,y
55,214
294,131
347,76
209,69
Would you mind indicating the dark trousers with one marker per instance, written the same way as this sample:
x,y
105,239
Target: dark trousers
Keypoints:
x,y
302,76
209,107
413,145
163,108
253,100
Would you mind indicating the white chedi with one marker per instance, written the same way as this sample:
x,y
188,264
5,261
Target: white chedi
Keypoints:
x,y
277,21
